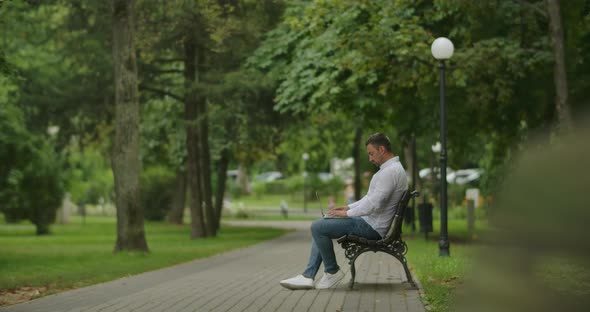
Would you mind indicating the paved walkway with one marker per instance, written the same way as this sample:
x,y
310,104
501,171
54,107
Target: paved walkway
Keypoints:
x,y
244,280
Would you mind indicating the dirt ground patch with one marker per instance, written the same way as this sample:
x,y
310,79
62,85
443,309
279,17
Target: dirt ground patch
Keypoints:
x,y
14,296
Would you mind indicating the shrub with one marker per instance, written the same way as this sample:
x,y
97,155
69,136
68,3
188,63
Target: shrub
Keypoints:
x,y
294,183
35,192
31,180
90,177
44,187
259,188
242,214
233,188
333,186
157,189
313,184
277,187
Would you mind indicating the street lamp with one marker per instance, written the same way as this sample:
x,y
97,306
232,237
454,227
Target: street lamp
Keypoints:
x,y
442,49
436,147
305,157
435,174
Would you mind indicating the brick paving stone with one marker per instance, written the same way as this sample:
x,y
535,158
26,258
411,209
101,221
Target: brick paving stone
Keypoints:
x,y
244,280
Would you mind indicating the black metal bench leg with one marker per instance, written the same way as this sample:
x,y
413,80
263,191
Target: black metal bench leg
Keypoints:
x,y
352,273
408,274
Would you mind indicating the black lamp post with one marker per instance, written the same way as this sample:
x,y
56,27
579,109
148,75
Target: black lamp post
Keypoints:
x,y
414,178
305,157
442,49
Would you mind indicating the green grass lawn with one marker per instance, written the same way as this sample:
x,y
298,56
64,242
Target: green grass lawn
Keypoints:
x,y
565,275
439,276
77,254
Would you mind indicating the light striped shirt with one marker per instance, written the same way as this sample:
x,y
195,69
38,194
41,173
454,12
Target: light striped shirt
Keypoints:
x,y
385,191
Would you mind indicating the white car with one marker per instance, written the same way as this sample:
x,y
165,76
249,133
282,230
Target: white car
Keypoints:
x,y
269,176
462,176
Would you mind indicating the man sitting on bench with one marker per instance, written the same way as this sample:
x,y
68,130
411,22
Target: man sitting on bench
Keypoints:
x,y
369,217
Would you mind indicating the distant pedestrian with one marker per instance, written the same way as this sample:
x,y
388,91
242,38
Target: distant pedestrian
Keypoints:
x,y
284,209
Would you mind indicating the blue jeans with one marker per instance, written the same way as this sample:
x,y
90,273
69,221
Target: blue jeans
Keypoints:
x,y
322,248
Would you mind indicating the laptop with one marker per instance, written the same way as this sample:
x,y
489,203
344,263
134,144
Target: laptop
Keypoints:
x,y
325,216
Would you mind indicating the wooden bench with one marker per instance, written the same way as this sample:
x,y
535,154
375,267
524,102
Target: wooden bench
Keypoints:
x,y
392,243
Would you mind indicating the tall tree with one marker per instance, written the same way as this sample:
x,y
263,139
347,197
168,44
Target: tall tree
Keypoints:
x,y
125,153
206,41
193,139
559,68
324,63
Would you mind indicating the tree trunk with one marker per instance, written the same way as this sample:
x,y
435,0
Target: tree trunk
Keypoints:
x,y
409,149
198,226
205,164
356,155
559,71
224,160
221,179
42,228
409,162
125,152
178,200
243,181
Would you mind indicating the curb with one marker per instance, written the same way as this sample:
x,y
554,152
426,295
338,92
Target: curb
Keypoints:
x,y
427,306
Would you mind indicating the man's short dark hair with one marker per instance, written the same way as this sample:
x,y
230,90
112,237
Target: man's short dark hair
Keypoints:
x,y
379,139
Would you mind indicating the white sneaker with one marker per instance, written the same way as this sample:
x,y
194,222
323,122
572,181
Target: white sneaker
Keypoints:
x,y
297,282
329,280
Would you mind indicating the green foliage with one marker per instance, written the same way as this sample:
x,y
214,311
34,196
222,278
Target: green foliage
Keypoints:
x,y
242,214
234,189
324,67
90,177
324,62
259,188
331,186
60,53
239,106
323,136
294,183
163,138
282,186
576,19
499,82
157,189
31,174
43,182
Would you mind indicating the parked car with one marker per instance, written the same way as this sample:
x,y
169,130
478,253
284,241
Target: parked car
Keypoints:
x,y
268,176
232,174
462,176
325,176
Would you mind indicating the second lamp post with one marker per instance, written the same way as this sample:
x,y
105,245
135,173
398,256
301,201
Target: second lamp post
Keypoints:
x,y
442,49
305,157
